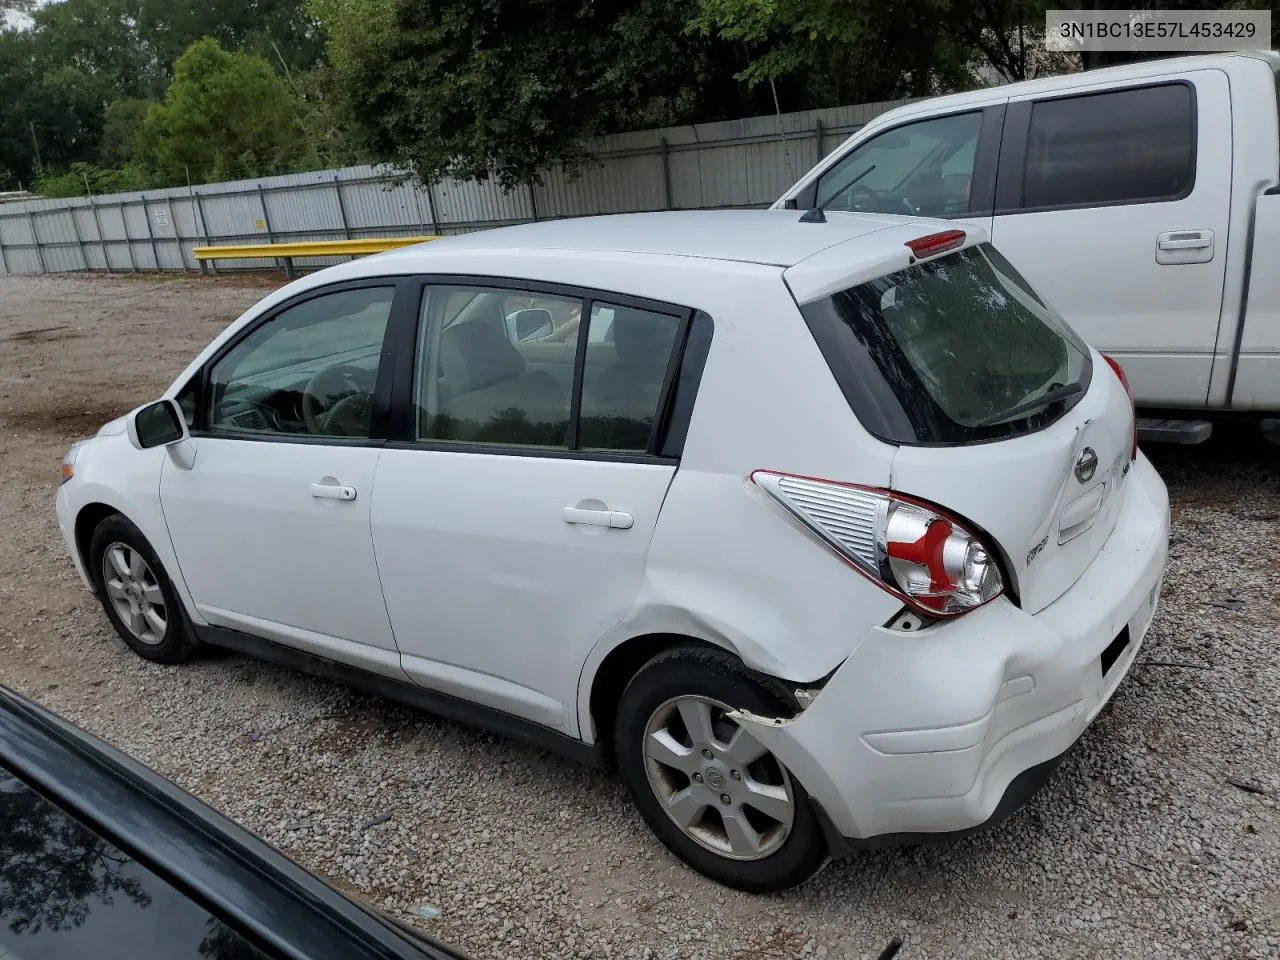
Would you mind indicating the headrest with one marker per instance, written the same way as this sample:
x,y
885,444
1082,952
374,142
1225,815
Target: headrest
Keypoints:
x,y
477,354
639,334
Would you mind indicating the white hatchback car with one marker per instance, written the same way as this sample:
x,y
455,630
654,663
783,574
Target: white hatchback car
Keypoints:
x,y
833,534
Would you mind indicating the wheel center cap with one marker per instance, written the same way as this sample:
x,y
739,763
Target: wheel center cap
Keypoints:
x,y
715,779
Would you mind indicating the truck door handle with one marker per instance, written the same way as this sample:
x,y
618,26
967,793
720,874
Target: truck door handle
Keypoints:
x,y
598,518
1183,241
332,491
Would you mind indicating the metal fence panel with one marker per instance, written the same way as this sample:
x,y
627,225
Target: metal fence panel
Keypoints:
x,y
733,163
374,206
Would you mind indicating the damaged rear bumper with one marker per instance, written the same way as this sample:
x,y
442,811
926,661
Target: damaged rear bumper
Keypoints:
x,y
939,732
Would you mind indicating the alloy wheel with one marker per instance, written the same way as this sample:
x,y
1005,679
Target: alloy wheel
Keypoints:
x,y
135,593
715,781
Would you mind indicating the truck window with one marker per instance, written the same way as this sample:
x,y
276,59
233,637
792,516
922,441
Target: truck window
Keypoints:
x,y
1124,146
921,168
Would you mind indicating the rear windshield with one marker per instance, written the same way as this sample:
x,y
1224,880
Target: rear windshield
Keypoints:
x,y
951,351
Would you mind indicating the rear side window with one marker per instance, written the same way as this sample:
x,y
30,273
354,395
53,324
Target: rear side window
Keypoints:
x,y
623,377
506,367
951,351
1125,146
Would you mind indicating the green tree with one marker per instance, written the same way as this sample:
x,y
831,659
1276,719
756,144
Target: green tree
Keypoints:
x,y
882,48
122,127
103,40
64,62
12,11
21,103
225,115
280,31
504,87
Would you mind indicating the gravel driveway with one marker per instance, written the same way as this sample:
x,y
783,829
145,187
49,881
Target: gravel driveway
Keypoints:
x,y
1159,836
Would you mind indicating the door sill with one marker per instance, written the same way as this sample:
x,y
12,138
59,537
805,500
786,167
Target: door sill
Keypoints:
x,y
441,704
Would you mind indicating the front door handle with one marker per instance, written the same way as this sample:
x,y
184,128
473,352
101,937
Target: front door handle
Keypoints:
x,y
332,491
598,518
1184,246
1184,241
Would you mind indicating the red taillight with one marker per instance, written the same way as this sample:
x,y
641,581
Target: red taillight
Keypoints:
x,y
1124,381
915,551
936,243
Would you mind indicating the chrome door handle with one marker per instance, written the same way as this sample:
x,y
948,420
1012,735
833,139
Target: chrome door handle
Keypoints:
x,y
332,491
598,518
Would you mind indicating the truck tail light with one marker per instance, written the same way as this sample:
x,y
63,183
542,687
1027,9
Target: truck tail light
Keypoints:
x,y
917,552
1124,381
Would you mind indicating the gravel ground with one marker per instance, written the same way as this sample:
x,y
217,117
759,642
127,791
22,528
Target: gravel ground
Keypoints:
x,y
1159,836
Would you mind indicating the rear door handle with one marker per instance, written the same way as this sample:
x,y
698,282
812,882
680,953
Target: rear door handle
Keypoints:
x,y
332,491
598,518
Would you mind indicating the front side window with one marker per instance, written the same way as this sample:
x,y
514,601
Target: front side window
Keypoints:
x,y
919,169
950,351
1123,146
309,371
67,894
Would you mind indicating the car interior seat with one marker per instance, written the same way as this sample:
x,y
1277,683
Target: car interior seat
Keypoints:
x,y
492,397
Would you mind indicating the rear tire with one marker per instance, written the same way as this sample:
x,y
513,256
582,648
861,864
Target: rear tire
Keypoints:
x,y
715,797
137,594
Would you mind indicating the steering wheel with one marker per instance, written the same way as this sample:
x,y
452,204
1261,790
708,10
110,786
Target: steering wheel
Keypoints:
x,y
857,197
337,401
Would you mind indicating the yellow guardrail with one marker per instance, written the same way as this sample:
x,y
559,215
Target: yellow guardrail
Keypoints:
x,y
283,253
306,248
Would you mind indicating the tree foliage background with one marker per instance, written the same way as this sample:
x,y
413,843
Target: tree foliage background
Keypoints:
x,y
124,94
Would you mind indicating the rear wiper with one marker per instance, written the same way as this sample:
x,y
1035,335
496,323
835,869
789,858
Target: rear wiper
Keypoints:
x,y
1046,398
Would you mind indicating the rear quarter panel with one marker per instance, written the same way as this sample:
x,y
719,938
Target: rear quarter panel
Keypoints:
x,y
726,565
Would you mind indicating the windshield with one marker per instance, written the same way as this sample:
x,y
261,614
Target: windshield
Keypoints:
x,y
955,350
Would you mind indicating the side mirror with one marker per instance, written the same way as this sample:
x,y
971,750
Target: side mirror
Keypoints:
x,y
157,425
532,324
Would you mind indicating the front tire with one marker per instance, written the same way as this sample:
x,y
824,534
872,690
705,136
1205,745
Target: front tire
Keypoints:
x,y
712,793
137,594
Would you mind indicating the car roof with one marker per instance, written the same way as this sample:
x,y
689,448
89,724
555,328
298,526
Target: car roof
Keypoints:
x,y
648,255
770,237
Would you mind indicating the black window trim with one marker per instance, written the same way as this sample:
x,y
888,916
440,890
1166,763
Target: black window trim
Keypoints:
x,y
401,285
1011,177
985,161
403,343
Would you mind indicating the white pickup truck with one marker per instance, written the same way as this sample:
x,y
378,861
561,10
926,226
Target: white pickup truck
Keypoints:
x,y
1143,201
